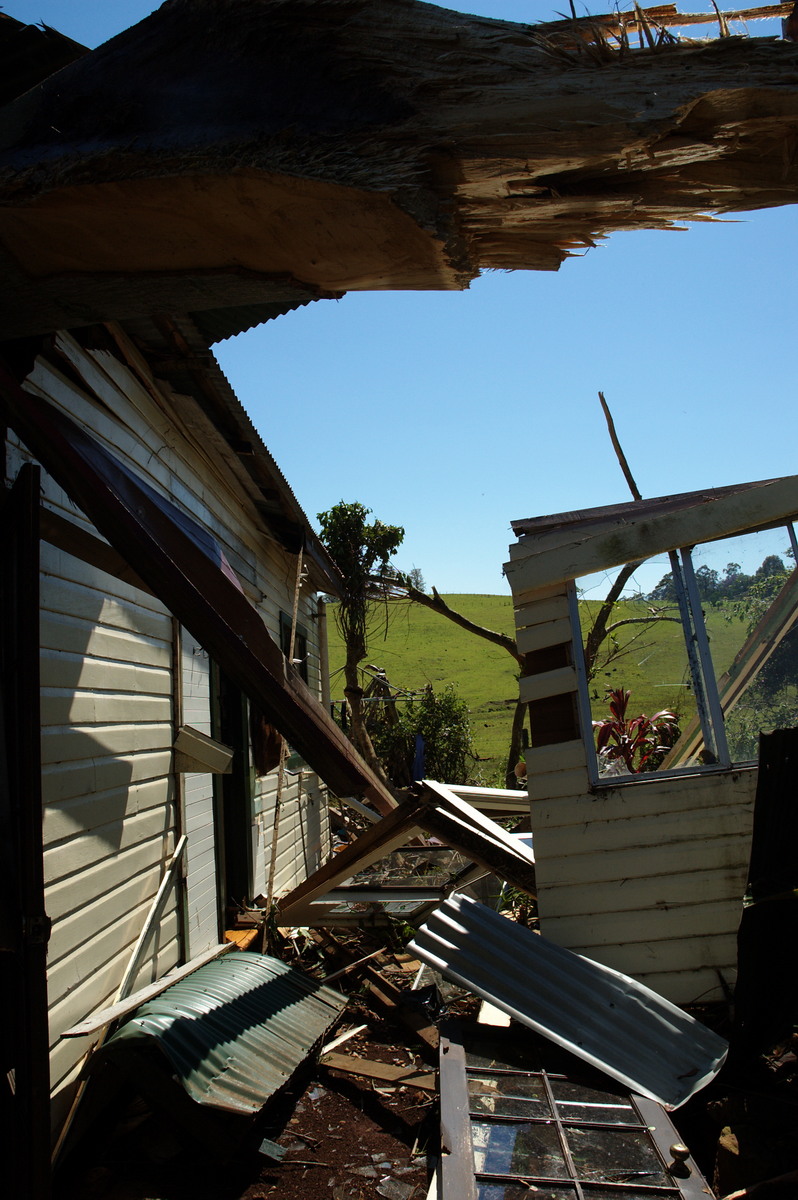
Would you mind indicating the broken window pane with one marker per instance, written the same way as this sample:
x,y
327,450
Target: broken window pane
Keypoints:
x,y
575,1102
508,1095
615,1156
512,1148
516,1191
733,675
637,647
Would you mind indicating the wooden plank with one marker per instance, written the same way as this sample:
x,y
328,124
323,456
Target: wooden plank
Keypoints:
x,y
525,605
641,832
120,1009
549,633
547,683
650,795
74,893
541,612
196,751
677,954
590,929
392,1000
375,843
66,634
556,784
647,530
389,1072
560,756
623,864
693,986
695,887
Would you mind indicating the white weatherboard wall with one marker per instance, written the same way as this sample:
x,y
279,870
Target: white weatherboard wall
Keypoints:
x,y
303,836
111,815
202,892
645,876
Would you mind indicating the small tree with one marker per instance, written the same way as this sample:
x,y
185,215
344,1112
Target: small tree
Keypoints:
x,y
361,552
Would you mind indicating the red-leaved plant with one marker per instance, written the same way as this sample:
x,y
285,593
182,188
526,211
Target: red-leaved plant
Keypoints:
x,y
639,743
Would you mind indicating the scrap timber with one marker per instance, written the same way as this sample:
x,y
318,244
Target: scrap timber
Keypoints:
x,y
368,145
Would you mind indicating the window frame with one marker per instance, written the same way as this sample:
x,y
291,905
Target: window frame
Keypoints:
x,y
460,1178
711,715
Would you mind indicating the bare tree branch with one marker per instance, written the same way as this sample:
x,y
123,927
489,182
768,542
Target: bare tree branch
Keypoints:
x,y
439,605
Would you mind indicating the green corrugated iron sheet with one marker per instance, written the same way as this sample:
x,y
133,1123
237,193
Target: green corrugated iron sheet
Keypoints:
x,y
236,1029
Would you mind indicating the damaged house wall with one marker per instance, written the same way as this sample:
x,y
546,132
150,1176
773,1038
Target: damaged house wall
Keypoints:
x,y
646,876
111,700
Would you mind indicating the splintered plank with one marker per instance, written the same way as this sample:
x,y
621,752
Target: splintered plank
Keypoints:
x,y
387,1072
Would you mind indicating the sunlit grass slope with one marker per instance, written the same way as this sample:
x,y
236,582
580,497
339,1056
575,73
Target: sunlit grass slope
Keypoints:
x,y
416,646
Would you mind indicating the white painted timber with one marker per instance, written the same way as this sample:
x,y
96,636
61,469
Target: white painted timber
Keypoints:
x,y
203,908
559,756
575,549
547,683
648,877
548,633
556,784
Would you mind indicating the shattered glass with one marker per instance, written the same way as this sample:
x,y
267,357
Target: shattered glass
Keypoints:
x,y
512,1148
508,1095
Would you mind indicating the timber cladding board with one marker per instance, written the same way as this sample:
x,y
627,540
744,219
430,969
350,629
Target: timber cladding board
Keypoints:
x,y
67,1053
642,828
86,851
104,774
135,429
555,784
629,862
112,909
659,925
681,954
650,796
107,945
65,633
74,591
573,551
559,756
78,890
548,683
708,886
86,810
547,633
59,743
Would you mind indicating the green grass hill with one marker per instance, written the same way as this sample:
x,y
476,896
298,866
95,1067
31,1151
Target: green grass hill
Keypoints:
x,y
415,646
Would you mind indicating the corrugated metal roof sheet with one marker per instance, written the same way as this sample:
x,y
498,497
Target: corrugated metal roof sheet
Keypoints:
x,y
607,1019
236,1029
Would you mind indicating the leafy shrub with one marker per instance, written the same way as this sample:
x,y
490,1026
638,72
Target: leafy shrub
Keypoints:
x,y
442,720
633,743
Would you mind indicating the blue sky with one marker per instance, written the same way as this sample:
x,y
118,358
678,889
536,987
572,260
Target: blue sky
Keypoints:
x,y
454,413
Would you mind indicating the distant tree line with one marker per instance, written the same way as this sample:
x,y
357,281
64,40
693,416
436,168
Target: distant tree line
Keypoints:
x,y
732,584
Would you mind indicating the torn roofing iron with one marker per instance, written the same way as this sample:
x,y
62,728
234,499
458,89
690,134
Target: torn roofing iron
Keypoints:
x,y
236,1029
605,1018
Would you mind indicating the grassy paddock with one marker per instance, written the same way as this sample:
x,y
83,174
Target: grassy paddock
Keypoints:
x,y
416,646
